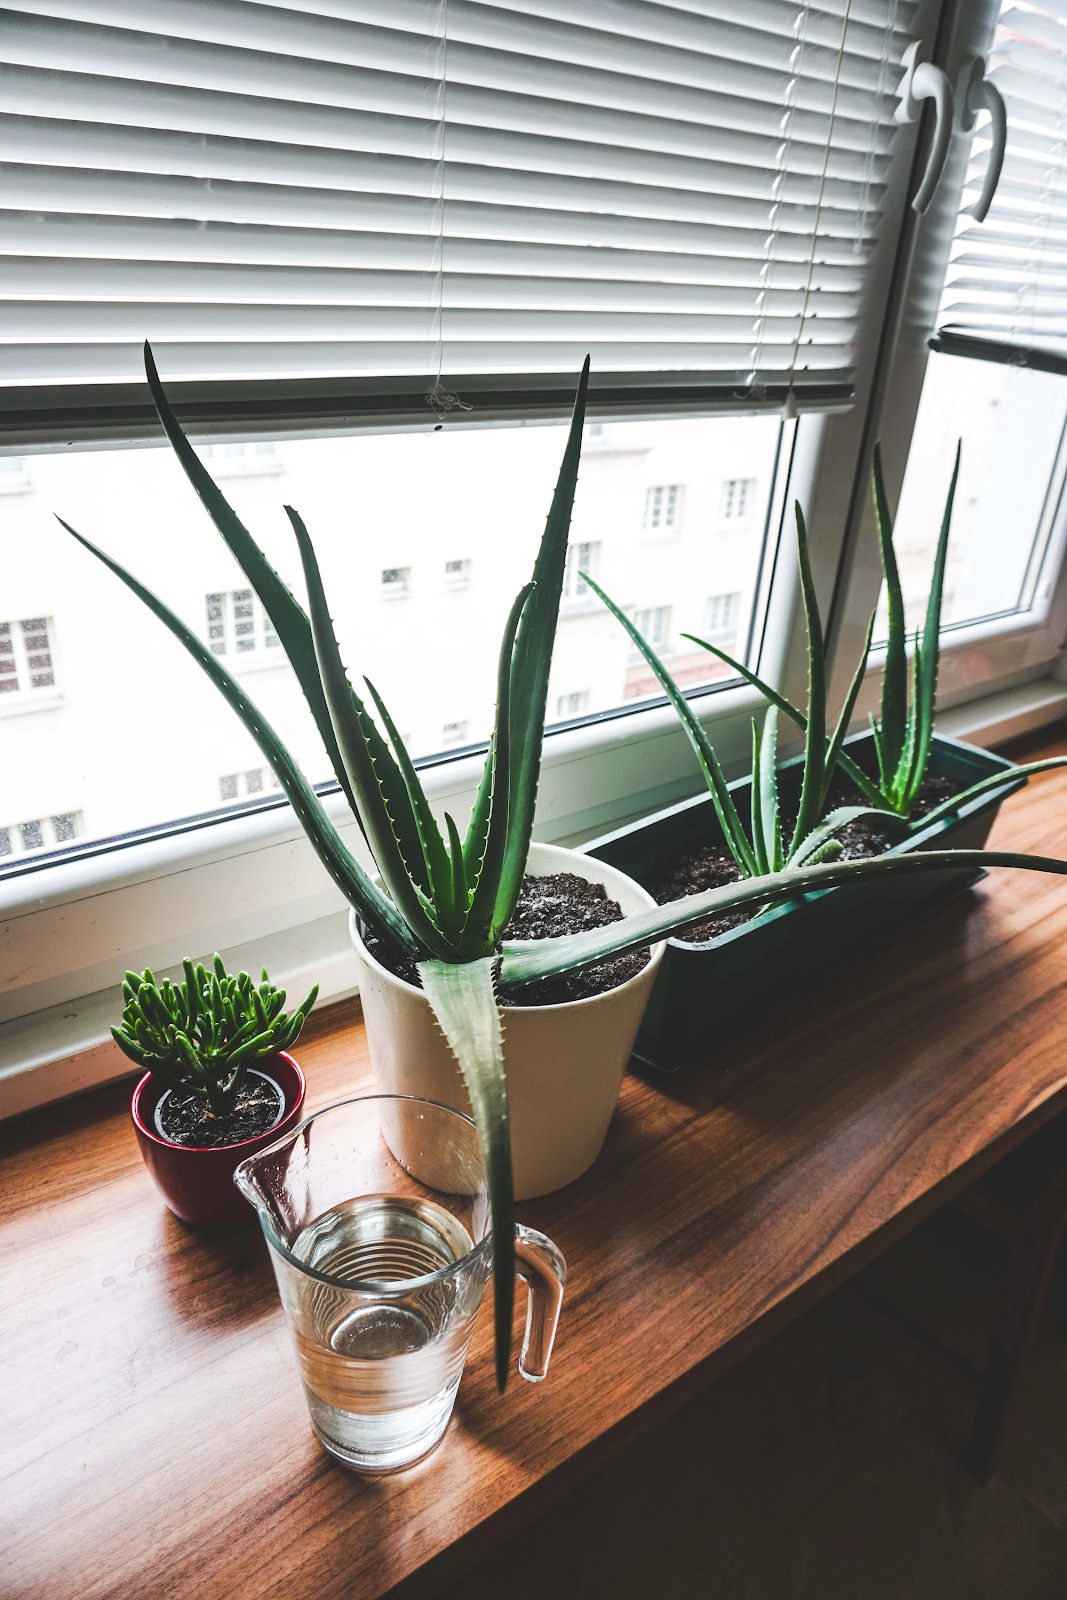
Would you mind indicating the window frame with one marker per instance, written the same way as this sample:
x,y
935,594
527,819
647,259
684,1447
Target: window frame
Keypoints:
x,y
219,882
982,656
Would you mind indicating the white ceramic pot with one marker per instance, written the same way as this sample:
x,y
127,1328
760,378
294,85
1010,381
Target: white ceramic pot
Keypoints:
x,y
565,1063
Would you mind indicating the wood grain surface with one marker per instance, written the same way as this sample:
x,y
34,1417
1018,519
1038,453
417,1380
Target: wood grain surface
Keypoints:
x,y
155,1440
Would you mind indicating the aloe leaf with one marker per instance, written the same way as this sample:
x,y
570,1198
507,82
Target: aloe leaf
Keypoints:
x,y
900,787
930,648
844,760
884,774
725,810
290,621
531,665
759,841
791,711
375,909
464,1003
811,789
833,754
838,819
997,780
280,604
478,825
481,930
768,781
895,674
349,717
435,857
766,776
460,890
537,959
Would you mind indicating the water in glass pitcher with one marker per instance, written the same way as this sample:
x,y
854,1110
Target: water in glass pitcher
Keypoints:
x,y
382,1362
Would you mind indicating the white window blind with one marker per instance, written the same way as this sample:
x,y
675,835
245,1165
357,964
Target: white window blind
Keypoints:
x,y
386,187
1007,281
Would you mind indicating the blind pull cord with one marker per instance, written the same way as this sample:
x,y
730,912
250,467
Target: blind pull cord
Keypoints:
x,y
440,400
790,410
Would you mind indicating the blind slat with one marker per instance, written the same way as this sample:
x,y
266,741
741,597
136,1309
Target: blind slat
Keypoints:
x,y
547,134
273,189
505,93
485,42
53,240
584,177
132,194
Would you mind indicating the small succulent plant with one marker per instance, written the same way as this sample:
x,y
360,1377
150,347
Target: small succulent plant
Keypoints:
x,y
202,1035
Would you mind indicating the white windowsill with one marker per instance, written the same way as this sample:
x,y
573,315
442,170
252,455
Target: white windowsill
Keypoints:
x,y
68,1047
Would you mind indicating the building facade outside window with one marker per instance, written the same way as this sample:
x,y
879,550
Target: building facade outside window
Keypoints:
x,y
259,459
26,656
14,479
581,558
238,625
654,625
720,618
396,582
572,704
253,781
22,838
738,496
663,506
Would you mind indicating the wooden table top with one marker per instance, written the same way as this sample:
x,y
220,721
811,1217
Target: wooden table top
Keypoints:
x,y
154,1436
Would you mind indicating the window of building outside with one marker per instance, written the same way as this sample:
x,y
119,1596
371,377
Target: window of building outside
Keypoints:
x,y
1009,422
26,660
663,503
584,557
252,460
396,582
14,479
41,833
243,785
738,495
431,491
238,625
720,618
653,623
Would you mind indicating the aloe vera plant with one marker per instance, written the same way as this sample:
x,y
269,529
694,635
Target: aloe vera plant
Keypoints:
x,y
761,849
448,899
903,733
202,1035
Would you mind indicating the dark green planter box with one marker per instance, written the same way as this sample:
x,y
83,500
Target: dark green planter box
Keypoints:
x,y
708,993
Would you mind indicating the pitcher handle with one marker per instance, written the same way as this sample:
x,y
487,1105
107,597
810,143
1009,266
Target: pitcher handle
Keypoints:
x,y
543,1270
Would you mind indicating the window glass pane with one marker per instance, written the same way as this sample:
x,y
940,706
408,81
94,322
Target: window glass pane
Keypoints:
x,y
1011,423
109,722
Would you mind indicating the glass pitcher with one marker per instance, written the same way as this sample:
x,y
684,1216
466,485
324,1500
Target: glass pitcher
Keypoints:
x,y
377,1218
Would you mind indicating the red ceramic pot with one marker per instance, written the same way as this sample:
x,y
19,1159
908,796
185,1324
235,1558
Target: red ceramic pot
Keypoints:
x,y
197,1183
